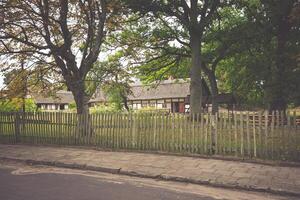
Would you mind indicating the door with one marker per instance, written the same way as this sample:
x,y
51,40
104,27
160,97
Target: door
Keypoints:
x,y
181,107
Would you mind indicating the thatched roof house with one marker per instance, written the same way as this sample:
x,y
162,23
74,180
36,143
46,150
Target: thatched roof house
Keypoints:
x,y
168,94
60,101
173,95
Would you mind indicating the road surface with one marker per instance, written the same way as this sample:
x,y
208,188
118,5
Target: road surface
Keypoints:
x,y
22,182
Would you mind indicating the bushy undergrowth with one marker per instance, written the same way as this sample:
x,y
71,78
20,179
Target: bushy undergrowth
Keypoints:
x,y
15,104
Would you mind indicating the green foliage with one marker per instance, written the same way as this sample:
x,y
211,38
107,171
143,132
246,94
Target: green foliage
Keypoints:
x,y
30,105
151,110
241,46
251,46
155,53
239,80
263,70
114,93
110,108
114,77
7,106
15,105
72,106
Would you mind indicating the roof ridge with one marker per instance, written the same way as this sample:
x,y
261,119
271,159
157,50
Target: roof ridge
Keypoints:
x,y
165,82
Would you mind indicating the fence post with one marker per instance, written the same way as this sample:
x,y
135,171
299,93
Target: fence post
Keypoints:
x,y
17,127
254,134
214,121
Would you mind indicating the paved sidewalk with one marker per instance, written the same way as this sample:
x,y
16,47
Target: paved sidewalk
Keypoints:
x,y
231,174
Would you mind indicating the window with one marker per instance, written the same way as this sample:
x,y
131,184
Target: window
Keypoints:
x,y
61,107
151,104
160,101
134,106
144,104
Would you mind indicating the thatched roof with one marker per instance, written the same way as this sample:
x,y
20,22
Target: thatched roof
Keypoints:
x,y
61,97
167,89
163,90
99,96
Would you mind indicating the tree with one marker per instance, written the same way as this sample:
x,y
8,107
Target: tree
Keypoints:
x,y
193,16
20,80
115,79
227,36
16,84
63,35
164,56
278,15
264,71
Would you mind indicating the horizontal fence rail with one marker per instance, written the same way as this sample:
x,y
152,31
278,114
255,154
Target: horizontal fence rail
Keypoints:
x,y
274,136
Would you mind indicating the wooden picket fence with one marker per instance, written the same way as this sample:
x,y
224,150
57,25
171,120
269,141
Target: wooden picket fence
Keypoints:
x,y
274,136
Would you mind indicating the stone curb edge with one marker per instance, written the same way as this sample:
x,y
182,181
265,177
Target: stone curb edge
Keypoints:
x,y
143,175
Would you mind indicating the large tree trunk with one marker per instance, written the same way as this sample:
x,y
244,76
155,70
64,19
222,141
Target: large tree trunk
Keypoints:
x,y
215,107
195,75
125,102
277,93
214,91
81,99
77,87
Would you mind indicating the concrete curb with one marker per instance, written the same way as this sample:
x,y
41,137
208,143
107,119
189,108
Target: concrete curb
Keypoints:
x,y
144,175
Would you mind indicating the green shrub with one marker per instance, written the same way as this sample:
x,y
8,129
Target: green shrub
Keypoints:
x,y
30,105
15,104
7,106
72,106
111,108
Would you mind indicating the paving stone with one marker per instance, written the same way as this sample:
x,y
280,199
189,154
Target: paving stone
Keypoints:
x,y
223,179
241,174
243,182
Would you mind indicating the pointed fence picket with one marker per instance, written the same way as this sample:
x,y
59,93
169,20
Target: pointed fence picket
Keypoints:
x,y
274,135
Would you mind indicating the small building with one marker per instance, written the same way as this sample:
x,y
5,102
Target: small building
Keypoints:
x,y
60,101
172,95
168,94
99,97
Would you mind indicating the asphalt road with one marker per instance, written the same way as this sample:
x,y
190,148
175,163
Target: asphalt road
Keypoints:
x,y
19,181
50,186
